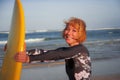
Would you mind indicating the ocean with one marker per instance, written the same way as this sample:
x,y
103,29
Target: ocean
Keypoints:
x,y
102,43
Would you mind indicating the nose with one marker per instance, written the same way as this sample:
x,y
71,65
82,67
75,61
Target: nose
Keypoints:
x,y
69,32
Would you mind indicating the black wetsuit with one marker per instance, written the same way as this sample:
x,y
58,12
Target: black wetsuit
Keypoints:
x,y
77,60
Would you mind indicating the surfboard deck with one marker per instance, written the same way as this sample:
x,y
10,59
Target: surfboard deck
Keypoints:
x,y
11,70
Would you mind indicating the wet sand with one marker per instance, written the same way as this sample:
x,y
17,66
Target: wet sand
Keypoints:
x,y
107,69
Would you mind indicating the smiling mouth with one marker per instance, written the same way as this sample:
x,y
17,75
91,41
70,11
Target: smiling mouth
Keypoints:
x,y
68,37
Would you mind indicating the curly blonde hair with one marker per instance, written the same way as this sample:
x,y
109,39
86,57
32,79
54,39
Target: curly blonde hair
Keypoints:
x,y
80,25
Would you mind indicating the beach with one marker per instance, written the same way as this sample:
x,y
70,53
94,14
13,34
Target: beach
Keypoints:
x,y
101,70
106,69
104,52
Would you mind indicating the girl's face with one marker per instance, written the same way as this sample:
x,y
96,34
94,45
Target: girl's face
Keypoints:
x,y
71,35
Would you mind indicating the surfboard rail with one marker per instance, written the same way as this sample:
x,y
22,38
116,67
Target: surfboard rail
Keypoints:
x,y
11,70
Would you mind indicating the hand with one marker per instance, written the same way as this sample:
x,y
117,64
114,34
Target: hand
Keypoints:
x,y
5,47
21,57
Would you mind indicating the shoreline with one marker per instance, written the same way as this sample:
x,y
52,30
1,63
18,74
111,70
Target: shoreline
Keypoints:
x,y
101,70
106,77
62,62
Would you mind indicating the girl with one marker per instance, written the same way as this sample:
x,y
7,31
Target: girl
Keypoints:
x,y
77,60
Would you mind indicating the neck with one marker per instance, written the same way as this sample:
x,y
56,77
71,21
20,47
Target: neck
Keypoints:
x,y
73,44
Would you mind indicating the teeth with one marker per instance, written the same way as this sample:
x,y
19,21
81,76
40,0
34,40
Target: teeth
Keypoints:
x,y
68,37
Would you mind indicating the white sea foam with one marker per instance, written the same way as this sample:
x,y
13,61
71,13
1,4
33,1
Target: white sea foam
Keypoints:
x,y
3,42
4,32
34,31
34,40
27,40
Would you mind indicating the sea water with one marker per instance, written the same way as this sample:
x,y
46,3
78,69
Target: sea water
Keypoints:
x,y
102,44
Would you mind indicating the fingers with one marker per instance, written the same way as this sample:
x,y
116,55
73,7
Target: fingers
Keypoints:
x,y
21,57
5,47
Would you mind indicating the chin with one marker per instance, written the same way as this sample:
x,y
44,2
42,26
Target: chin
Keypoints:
x,y
68,42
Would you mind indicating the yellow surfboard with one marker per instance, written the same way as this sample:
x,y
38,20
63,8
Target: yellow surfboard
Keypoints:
x,y
11,70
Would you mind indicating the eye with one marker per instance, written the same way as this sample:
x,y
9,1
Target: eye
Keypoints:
x,y
67,29
74,30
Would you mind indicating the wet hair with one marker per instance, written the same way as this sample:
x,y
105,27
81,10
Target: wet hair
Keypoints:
x,y
80,25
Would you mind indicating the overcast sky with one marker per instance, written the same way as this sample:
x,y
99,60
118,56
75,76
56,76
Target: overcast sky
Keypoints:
x,y
50,14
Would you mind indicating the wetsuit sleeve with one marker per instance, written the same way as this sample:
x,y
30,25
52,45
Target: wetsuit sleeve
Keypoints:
x,y
60,53
35,51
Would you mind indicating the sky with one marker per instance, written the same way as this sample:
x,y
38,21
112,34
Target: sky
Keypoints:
x,y
51,14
